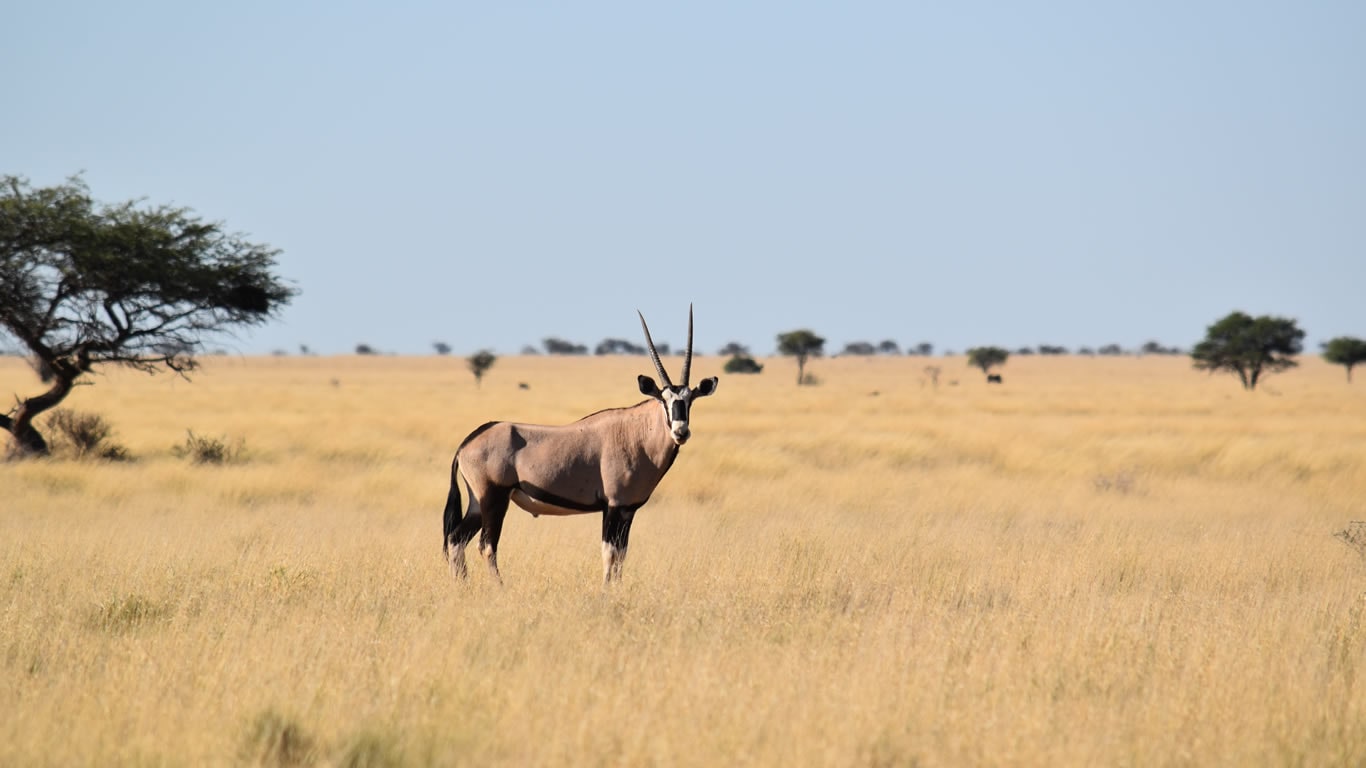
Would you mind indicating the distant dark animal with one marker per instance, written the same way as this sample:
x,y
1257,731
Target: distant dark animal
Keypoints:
x,y
523,385
994,378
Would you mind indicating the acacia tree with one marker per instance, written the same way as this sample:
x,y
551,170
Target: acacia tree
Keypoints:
x,y
1249,346
1346,351
479,363
800,344
987,358
84,284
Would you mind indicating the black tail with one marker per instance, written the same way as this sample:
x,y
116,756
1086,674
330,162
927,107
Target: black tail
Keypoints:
x,y
452,505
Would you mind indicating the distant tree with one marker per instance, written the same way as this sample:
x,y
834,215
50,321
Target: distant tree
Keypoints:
x,y
618,347
530,350
304,350
889,347
859,349
556,346
1024,351
732,349
1154,348
1086,351
365,349
85,284
479,363
924,349
1346,351
987,358
742,364
1249,346
1111,350
1050,349
800,344
441,347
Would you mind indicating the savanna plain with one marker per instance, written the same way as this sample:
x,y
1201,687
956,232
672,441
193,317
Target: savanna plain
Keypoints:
x,y
1103,561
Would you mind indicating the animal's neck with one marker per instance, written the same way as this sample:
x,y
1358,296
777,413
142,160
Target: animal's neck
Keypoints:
x,y
651,425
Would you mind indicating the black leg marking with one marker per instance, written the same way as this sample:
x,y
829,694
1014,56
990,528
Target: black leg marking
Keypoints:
x,y
616,526
616,536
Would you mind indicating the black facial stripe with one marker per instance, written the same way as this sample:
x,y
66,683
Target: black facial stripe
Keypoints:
x,y
679,411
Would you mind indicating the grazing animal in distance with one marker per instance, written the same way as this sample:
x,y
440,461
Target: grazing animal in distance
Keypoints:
x,y
608,462
994,378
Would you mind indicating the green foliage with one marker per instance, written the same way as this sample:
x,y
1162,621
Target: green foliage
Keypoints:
x,y
84,284
800,344
1249,346
1346,351
987,358
479,363
742,364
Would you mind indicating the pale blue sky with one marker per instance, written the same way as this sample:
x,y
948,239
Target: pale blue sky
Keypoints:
x,y
964,173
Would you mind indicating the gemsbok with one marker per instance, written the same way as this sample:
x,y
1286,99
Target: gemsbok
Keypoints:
x,y
608,462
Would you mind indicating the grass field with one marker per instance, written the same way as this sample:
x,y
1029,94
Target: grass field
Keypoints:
x,y
1102,562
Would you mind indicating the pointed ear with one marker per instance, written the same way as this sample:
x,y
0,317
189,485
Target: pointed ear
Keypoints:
x,y
705,387
648,386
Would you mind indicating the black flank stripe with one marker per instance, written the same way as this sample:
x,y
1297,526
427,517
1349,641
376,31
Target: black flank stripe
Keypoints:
x,y
546,497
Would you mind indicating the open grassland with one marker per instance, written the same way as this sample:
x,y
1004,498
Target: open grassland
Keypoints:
x,y
1102,562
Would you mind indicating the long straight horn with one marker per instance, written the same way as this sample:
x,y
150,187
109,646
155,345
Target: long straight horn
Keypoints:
x,y
687,356
654,354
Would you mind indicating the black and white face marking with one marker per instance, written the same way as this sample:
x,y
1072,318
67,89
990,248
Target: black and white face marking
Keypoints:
x,y
677,402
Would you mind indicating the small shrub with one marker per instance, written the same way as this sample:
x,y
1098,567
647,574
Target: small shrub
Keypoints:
x,y
275,740
85,435
209,450
742,364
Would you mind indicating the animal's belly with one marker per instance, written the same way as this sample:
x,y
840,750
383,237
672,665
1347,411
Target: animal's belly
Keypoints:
x,y
538,507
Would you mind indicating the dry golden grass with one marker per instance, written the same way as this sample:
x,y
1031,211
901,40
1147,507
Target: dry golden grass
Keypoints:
x,y
1103,562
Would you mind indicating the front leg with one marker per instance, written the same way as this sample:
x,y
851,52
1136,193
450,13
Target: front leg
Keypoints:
x,y
616,535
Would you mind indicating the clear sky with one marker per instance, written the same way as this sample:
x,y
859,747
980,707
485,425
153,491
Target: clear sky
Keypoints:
x,y
965,173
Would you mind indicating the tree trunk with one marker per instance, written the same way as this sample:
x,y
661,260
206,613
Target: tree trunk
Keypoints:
x,y
28,441
1349,374
801,365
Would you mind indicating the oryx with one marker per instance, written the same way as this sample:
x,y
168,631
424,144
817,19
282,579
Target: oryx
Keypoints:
x,y
608,462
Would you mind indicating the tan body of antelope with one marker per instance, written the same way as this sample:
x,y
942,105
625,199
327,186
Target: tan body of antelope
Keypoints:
x,y
608,462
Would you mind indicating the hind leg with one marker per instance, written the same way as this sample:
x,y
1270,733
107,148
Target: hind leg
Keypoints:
x,y
470,524
495,509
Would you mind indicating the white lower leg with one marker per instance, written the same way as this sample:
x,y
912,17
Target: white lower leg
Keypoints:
x,y
457,558
492,557
612,560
